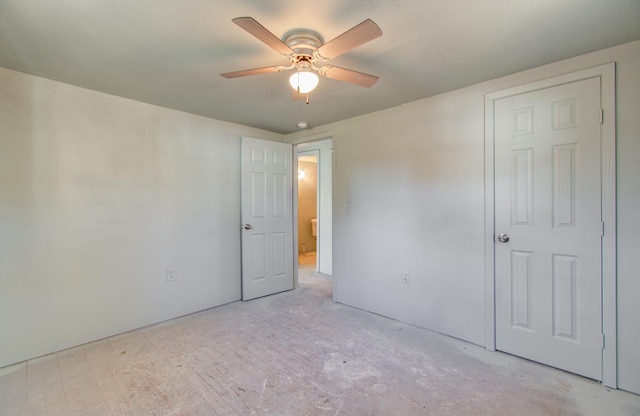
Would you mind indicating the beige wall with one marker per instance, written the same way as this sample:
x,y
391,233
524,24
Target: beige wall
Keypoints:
x,y
307,205
99,195
409,196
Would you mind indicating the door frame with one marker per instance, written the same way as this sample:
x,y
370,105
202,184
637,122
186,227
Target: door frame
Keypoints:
x,y
606,73
303,144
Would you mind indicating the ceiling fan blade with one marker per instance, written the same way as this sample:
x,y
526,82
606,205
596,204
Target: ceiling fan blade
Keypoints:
x,y
253,71
352,38
256,29
348,75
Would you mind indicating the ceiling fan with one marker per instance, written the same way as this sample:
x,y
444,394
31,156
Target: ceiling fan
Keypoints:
x,y
307,53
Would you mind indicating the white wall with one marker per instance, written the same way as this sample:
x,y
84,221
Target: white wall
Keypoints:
x,y
414,177
99,195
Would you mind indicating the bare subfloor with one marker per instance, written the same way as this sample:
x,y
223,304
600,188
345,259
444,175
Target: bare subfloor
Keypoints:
x,y
295,353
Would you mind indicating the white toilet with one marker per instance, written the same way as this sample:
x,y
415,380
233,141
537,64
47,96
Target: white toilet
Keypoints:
x,y
314,226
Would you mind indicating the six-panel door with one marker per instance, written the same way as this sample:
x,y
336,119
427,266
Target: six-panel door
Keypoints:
x,y
547,201
267,223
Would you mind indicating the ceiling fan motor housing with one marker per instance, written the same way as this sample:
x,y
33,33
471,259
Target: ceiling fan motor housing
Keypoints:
x,y
303,41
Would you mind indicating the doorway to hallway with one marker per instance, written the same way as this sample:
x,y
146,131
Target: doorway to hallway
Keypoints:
x,y
314,206
308,208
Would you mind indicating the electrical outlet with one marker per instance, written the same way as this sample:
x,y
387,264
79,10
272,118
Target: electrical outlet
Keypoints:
x,y
171,275
405,277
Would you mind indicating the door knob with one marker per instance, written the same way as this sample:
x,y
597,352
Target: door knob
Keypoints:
x,y
247,226
503,238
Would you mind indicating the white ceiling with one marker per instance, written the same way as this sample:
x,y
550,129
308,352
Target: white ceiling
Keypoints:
x,y
170,52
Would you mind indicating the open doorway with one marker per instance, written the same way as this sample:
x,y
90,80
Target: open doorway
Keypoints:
x,y
314,207
308,209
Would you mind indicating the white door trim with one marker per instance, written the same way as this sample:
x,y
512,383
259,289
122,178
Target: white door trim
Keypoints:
x,y
325,198
606,73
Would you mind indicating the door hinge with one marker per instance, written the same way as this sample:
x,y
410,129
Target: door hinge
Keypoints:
x,y
602,340
601,228
601,115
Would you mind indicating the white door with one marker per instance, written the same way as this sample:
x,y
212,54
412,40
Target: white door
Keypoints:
x,y
548,205
267,222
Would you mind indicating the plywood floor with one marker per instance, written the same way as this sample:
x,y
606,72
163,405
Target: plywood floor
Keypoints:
x,y
295,353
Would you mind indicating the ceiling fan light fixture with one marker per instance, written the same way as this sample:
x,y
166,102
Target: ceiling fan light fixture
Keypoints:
x,y
304,81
